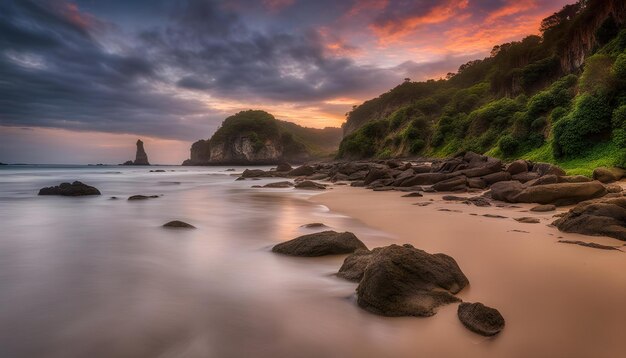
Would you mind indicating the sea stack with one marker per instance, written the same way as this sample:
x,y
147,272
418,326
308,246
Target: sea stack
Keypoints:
x,y
141,158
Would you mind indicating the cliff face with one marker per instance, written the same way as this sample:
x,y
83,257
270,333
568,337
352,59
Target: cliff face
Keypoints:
x,y
141,158
256,137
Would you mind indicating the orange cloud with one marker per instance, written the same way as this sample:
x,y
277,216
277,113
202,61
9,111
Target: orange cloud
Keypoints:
x,y
511,8
393,30
73,14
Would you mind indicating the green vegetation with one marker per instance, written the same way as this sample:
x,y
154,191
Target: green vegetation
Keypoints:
x,y
261,127
529,99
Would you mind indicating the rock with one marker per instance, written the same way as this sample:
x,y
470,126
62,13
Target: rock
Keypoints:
x,y
557,194
357,183
481,169
179,225
310,185
157,171
574,179
403,281
589,244
547,169
254,173
506,190
458,183
414,194
525,177
614,188
601,217
480,319
543,180
561,193
493,216
424,179
476,183
527,220
320,244
360,175
476,200
280,184
283,167
376,174
141,158
380,183
517,167
313,225
608,175
317,176
543,208
496,177
303,170
128,162
66,189
142,197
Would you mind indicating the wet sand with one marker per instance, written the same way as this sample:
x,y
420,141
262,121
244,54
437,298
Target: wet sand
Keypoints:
x,y
559,300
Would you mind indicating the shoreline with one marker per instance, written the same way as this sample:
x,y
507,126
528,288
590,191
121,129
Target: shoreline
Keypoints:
x,y
557,299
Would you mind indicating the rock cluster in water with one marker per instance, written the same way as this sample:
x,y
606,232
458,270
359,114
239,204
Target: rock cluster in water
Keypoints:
x,y
66,189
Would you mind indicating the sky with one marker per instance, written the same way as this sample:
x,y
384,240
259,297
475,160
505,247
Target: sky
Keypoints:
x,y
81,80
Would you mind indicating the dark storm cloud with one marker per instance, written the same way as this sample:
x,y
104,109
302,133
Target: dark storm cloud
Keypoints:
x,y
55,74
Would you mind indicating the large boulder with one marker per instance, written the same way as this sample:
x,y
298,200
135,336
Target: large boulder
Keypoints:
x,y
601,217
303,170
376,174
310,185
66,189
457,183
496,177
557,194
608,175
561,193
320,244
403,281
425,179
517,167
481,169
177,224
254,173
480,319
283,167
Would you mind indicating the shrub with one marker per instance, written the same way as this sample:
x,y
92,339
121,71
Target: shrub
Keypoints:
x,y
597,78
538,124
619,67
619,127
417,145
508,145
582,127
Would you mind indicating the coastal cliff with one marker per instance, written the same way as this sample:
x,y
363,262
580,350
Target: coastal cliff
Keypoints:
x,y
256,137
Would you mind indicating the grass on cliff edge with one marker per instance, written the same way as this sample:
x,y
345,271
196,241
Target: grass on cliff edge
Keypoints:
x,y
602,155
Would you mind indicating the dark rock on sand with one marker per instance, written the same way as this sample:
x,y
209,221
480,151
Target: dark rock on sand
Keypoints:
x,y
480,319
589,244
66,189
608,175
476,200
601,217
543,208
313,225
527,220
254,173
280,184
320,244
525,177
557,194
142,197
179,225
376,174
310,185
458,183
496,177
517,167
494,216
283,167
414,194
303,170
404,281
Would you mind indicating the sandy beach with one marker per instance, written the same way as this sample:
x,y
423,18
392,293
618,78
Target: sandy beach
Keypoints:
x,y
559,300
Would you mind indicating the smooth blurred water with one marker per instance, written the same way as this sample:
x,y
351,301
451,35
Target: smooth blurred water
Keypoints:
x,y
98,277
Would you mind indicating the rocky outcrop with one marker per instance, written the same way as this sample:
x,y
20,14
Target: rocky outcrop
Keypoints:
x,y
402,280
480,319
257,138
320,244
142,197
66,189
601,217
141,158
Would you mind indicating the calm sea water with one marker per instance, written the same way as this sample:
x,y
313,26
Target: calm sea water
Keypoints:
x,y
97,277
